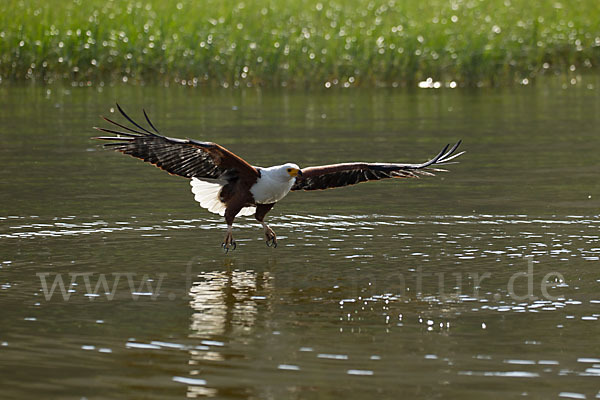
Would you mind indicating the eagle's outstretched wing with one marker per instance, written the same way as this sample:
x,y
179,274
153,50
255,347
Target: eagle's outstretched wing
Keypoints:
x,y
338,175
184,157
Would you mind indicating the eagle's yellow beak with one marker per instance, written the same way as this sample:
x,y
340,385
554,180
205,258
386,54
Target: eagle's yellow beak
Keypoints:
x,y
294,172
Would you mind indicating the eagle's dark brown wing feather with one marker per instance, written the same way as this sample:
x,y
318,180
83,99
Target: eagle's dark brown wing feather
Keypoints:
x,y
338,175
184,157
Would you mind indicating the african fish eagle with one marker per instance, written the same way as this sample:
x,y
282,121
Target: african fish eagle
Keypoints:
x,y
225,184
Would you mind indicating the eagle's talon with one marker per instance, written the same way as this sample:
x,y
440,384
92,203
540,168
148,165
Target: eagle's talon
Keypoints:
x,y
231,247
271,237
228,243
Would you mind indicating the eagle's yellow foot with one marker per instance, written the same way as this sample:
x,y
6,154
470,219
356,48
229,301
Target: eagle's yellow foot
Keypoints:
x,y
228,242
270,236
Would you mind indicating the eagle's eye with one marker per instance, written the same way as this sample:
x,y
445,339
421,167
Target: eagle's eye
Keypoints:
x,y
289,170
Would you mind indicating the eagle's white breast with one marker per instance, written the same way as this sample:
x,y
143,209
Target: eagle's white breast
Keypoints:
x,y
273,185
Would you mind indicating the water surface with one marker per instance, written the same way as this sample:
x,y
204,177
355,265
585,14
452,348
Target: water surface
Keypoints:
x,y
478,282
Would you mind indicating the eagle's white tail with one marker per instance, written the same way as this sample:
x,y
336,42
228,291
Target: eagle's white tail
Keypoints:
x,y
207,194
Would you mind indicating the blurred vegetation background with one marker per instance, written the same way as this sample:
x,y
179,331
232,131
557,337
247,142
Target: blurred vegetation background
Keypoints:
x,y
297,43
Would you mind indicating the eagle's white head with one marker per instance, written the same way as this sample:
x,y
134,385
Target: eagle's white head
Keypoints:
x,y
286,172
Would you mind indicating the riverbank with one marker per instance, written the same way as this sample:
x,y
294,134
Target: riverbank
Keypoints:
x,y
304,44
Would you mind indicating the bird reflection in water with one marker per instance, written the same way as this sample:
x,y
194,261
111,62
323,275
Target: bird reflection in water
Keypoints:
x,y
225,304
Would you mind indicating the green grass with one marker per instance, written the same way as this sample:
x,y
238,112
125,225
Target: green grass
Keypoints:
x,y
296,43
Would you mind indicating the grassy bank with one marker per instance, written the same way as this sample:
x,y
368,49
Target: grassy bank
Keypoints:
x,y
296,43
